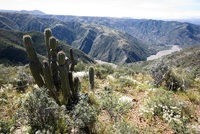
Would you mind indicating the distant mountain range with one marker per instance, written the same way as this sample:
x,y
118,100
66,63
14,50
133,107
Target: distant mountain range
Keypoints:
x,y
195,21
34,12
99,42
150,32
117,40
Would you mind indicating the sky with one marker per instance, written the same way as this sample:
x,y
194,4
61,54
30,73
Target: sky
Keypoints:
x,y
149,9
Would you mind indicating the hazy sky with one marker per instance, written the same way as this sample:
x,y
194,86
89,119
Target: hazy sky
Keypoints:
x,y
165,9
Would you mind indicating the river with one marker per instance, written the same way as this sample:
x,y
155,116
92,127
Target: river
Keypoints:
x,y
159,54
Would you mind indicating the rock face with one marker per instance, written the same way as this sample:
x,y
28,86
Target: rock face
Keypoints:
x,y
98,41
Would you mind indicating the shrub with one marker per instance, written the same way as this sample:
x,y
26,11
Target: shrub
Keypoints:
x,y
194,96
177,79
111,102
173,78
101,71
124,71
158,73
123,127
42,113
6,73
84,115
163,104
5,126
80,67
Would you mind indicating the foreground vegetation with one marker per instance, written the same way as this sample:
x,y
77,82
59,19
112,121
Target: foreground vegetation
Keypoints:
x,y
123,101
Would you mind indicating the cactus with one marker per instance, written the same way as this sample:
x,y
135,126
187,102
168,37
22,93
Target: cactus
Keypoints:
x,y
75,92
91,78
55,74
53,62
49,82
72,60
65,86
47,34
35,64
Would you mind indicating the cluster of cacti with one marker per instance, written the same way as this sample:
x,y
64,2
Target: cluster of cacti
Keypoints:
x,y
54,74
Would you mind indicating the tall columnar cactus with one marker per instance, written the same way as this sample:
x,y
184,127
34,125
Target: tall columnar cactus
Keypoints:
x,y
49,81
55,74
75,92
72,60
64,74
47,35
35,64
53,61
91,78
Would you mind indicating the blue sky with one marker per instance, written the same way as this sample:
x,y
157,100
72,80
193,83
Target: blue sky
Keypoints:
x,y
155,9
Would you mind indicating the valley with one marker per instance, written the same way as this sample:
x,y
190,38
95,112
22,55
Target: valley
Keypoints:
x,y
98,75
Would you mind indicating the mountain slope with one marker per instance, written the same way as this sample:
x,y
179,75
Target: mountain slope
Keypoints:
x,y
150,31
12,49
100,42
187,59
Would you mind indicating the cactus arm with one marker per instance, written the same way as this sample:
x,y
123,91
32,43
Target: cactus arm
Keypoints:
x,y
72,60
49,82
35,64
65,86
53,62
47,34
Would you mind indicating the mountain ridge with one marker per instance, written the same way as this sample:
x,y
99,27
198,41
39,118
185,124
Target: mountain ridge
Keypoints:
x,y
84,37
150,31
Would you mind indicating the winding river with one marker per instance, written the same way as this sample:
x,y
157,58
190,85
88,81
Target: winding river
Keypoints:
x,y
159,54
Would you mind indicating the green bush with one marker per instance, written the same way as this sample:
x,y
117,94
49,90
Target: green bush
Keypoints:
x,y
125,82
112,103
5,126
6,74
158,73
177,79
123,127
171,77
102,71
162,103
124,71
42,113
84,115
80,67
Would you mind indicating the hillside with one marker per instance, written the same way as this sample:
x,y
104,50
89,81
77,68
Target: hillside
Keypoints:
x,y
12,49
151,32
98,41
124,100
187,59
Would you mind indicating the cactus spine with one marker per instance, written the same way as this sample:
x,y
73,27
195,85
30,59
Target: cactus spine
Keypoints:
x,y
35,64
91,78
